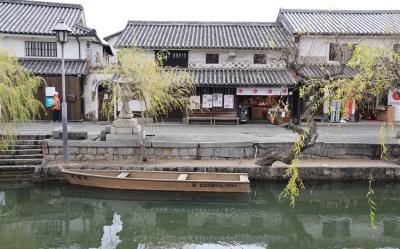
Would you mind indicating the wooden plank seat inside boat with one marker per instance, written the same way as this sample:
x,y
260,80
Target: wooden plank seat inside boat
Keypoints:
x,y
182,177
123,175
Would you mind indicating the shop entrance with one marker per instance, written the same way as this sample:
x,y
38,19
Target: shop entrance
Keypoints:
x,y
266,108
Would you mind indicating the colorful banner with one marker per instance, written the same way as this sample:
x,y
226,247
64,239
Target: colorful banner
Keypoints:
x,y
207,101
262,91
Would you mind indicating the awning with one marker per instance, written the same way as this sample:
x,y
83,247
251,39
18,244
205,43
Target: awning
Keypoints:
x,y
243,77
53,67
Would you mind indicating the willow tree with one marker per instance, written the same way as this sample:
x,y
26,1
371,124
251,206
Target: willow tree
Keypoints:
x,y
378,70
17,96
142,77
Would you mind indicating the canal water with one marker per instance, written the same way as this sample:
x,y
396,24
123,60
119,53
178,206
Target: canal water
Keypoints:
x,y
329,215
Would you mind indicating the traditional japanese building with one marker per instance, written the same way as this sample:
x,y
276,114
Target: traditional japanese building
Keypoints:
x,y
26,33
233,63
325,40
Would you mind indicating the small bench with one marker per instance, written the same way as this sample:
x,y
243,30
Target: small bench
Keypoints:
x,y
229,116
213,117
123,174
200,119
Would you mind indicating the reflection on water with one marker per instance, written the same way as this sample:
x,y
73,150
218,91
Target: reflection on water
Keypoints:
x,y
110,239
326,216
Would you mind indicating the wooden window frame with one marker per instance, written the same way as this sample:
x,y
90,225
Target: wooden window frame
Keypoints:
x,y
260,59
40,49
212,58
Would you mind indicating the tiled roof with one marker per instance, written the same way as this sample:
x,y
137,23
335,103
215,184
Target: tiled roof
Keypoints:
x,y
327,22
321,71
53,67
213,35
39,18
242,77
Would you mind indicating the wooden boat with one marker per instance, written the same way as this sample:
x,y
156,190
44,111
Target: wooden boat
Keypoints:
x,y
160,180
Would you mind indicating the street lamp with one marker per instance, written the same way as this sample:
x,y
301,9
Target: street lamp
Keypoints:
x,y
62,31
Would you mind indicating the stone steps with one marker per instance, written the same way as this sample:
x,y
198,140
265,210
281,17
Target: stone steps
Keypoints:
x,y
22,156
24,147
25,161
28,142
19,160
16,173
21,152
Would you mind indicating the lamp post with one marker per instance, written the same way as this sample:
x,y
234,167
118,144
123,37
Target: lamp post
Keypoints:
x,y
62,31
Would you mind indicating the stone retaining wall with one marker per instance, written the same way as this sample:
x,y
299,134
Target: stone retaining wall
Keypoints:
x,y
88,150
103,150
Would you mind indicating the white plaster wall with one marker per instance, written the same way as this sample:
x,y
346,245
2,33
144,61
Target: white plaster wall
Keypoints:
x,y
244,56
91,93
112,41
317,47
15,46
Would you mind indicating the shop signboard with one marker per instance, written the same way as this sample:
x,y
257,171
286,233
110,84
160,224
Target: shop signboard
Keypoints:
x,y
228,101
262,91
50,91
195,102
207,101
217,99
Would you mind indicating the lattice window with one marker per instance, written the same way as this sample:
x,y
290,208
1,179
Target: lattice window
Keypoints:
x,y
40,49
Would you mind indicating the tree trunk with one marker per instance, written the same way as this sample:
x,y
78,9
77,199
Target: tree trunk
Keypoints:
x,y
310,137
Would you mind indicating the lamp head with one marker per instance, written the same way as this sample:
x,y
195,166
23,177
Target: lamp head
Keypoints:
x,y
61,30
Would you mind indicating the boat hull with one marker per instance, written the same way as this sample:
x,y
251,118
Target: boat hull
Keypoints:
x,y
109,182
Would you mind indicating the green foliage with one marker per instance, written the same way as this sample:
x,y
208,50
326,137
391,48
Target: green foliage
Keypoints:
x,y
295,184
143,78
17,96
371,202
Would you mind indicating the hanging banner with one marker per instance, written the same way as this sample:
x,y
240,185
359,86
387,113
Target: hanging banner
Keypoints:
x,y
228,101
207,101
394,97
217,99
262,91
195,102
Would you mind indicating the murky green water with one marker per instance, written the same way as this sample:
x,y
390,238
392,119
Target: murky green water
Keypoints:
x,y
326,216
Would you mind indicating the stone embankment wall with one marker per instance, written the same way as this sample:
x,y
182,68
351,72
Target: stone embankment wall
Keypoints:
x,y
102,150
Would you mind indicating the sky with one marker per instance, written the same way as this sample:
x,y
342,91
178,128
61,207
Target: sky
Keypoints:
x,y
110,16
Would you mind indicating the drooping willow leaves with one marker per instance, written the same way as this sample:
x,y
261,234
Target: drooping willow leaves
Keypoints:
x,y
143,77
17,96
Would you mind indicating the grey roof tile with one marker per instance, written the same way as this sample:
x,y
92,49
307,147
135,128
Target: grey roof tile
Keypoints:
x,y
207,35
327,22
53,67
39,18
242,77
322,71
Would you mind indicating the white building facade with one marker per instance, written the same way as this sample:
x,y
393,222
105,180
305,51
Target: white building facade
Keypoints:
x,y
26,33
317,32
234,63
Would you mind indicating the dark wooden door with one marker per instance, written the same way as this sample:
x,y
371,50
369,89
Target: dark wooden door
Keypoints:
x,y
73,93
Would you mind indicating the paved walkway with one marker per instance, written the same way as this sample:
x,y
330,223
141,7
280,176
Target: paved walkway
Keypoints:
x,y
192,164
363,132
